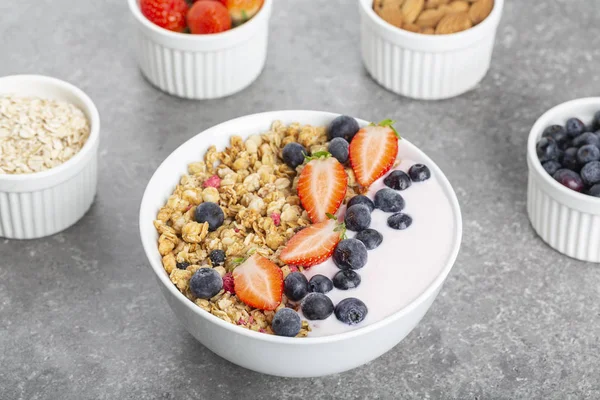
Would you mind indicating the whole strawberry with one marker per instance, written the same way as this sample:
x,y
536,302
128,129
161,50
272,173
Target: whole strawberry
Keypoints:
x,y
168,14
208,17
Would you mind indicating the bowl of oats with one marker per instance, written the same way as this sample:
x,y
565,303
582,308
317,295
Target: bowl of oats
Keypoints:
x,y
49,133
300,243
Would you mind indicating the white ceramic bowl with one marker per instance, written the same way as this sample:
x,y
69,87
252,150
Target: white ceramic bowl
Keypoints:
x,y
567,220
202,66
313,356
47,202
427,67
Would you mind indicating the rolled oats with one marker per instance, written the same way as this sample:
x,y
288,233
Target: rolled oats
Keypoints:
x,y
38,134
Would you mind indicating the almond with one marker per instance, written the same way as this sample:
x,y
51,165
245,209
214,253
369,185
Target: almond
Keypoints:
x,y
459,6
435,3
411,28
390,11
430,18
411,10
428,31
452,23
480,10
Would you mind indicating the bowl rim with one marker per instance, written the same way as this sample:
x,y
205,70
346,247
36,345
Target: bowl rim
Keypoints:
x,y
535,133
150,246
458,36
208,38
94,119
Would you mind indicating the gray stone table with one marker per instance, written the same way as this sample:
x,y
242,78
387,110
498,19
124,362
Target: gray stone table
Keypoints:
x,y
81,316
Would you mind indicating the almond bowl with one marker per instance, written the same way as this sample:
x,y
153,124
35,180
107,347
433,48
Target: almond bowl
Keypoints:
x,y
202,66
313,356
47,202
426,67
566,220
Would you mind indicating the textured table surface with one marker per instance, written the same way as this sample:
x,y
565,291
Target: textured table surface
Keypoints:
x,y
81,316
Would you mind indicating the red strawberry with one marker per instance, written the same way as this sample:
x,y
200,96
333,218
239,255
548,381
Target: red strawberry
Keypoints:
x,y
242,10
208,17
168,14
322,186
224,2
258,283
373,151
312,245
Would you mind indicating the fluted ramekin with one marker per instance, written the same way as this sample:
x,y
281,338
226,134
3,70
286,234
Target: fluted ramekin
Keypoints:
x,y
202,66
568,221
47,202
426,67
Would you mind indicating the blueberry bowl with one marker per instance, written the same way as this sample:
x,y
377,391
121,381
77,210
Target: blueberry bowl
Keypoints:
x,y
563,207
270,354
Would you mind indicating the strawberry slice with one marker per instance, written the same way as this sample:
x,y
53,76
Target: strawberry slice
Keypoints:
x,y
322,186
258,282
313,244
373,151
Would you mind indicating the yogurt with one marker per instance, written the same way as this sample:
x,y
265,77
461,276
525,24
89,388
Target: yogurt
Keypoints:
x,y
405,263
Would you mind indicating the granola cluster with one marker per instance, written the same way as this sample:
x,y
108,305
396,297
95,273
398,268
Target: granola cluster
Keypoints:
x,y
257,192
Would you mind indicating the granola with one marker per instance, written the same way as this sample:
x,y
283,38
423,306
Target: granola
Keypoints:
x,y
38,134
257,193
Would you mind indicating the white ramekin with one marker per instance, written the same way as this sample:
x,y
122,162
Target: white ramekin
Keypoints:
x,y
313,356
47,202
427,67
202,66
567,220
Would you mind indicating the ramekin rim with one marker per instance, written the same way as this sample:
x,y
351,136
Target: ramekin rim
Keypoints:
x,y
494,16
94,119
536,132
210,38
436,284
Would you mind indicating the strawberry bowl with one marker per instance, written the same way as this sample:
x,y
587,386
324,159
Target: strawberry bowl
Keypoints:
x,y
326,351
202,66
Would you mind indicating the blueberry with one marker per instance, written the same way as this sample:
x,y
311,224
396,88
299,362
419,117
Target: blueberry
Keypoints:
x,y
553,130
286,322
586,138
590,173
370,237
389,200
588,153
399,221
547,150
362,199
351,311
293,154
419,173
183,265
295,286
338,147
551,166
569,159
346,279
206,283
217,257
569,178
317,306
397,180
211,213
320,284
574,127
559,135
344,127
596,120
358,217
594,190
350,254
